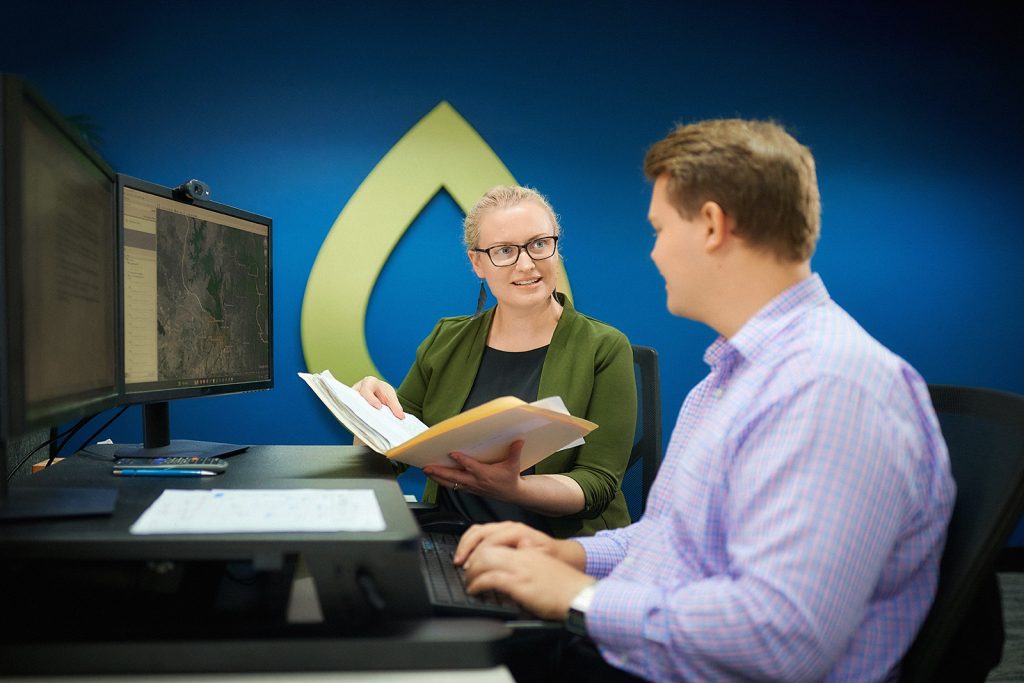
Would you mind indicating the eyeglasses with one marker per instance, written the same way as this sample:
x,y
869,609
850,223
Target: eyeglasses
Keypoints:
x,y
538,249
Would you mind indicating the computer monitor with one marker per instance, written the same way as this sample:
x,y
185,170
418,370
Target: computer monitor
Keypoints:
x,y
197,315
58,291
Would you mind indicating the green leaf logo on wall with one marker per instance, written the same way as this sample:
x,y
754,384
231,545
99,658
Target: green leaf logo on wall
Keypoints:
x,y
442,151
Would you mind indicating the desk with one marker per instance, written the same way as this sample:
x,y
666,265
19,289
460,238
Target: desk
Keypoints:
x,y
173,623
498,674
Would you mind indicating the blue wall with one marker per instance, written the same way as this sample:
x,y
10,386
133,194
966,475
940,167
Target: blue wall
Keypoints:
x,y
284,108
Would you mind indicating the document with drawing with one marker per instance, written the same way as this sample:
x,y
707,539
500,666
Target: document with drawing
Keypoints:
x,y
484,432
238,511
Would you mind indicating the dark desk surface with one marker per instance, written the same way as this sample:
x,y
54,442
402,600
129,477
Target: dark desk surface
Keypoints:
x,y
259,463
260,467
391,557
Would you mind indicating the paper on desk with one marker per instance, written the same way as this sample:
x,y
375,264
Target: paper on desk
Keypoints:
x,y
240,511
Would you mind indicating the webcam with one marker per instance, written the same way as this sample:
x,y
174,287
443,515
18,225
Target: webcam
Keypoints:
x,y
193,189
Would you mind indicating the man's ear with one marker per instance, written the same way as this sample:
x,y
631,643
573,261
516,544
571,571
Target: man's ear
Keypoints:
x,y
716,226
474,260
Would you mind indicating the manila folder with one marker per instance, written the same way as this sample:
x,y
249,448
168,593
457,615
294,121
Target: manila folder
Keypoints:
x,y
486,432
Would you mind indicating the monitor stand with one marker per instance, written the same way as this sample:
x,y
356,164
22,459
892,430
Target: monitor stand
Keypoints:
x,y
156,441
25,502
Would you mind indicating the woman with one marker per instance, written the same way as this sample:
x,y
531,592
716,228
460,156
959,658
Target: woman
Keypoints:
x,y
532,345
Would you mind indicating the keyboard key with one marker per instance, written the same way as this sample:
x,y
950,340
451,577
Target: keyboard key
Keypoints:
x,y
447,585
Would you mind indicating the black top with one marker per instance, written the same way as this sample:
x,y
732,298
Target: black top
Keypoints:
x,y
501,373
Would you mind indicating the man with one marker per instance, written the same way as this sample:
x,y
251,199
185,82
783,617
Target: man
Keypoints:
x,y
795,527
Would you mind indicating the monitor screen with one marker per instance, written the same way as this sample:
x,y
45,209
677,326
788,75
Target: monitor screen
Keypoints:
x,y
59,356
197,304
60,269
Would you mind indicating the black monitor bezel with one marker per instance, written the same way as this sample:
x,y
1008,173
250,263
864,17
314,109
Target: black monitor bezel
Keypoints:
x,y
129,397
16,417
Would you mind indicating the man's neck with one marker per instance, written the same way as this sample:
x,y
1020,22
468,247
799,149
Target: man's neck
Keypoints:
x,y
750,288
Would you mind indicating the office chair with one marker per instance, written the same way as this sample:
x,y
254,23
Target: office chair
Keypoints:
x,y
962,637
647,442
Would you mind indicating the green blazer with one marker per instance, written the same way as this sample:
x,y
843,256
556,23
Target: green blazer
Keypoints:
x,y
589,364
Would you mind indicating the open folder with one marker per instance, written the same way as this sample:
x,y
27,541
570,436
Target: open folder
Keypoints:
x,y
484,432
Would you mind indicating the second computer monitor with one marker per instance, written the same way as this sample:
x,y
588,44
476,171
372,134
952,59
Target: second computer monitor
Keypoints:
x,y
58,290
197,305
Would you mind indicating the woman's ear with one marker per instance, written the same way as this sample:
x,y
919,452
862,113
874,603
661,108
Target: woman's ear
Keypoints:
x,y
474,260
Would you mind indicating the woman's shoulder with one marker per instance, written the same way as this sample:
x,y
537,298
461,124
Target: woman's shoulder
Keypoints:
x,y
451,333
598,330
457,324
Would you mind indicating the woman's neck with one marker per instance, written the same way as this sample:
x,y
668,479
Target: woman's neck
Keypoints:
x,y
515,329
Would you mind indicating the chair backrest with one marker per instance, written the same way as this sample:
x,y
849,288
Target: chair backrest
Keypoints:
x,y
647,440
984,431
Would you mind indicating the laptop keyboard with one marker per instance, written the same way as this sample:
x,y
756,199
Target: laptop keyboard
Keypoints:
x,y
447,587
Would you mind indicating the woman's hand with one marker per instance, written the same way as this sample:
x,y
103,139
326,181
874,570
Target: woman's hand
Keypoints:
x,y
547,494
498,480
379,393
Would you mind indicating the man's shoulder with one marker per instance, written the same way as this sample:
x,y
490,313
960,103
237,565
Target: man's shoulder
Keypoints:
x,y
835,333
828,342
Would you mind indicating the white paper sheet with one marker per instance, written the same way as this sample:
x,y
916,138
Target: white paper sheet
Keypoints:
x,y
230,511
378,428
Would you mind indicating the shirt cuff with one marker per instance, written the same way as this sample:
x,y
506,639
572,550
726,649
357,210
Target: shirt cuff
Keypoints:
x,y
623,617
603,554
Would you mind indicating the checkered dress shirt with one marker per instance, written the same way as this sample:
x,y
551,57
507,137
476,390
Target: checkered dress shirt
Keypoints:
x,y
795,527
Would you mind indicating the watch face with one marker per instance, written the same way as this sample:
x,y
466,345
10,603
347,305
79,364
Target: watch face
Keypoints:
x,y
576,619
576,622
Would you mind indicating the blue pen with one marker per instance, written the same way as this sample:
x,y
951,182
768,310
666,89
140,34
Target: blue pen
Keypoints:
x,y
163,473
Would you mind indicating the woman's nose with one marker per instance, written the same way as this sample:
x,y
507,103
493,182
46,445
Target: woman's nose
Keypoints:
x,y
524,262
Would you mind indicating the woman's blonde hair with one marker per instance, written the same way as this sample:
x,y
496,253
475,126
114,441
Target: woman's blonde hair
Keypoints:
x,y
502,197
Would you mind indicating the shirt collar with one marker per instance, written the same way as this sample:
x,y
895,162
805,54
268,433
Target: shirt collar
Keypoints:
x,y
766,323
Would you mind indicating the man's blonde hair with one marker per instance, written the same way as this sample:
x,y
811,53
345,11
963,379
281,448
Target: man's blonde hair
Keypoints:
x,y
756,171
502,197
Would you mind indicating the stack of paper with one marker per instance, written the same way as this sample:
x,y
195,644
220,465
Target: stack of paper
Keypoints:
x,y
377,428
484,432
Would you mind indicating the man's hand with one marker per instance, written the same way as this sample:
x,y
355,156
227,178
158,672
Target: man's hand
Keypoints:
x,y
539,582
521,537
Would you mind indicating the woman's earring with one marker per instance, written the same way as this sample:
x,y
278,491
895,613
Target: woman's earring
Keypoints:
x,y
481,299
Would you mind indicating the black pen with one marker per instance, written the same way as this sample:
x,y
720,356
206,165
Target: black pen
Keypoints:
x,y
163,473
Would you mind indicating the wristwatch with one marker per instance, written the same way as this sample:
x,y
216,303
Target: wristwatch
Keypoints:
x,y
576,619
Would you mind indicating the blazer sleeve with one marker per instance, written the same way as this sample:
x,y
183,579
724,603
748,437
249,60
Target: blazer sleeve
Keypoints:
x,y
601,462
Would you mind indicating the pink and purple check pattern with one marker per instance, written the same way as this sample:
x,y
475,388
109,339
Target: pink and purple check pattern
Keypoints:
x,y
796,524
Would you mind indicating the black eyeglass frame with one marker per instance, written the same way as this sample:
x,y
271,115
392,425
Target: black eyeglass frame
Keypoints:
x,y
520,248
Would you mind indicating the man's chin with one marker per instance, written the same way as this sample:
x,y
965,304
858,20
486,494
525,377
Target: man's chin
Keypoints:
x,y
676,309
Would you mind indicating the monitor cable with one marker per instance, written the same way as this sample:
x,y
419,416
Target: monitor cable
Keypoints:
x,y
67,435
69,432
83,448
